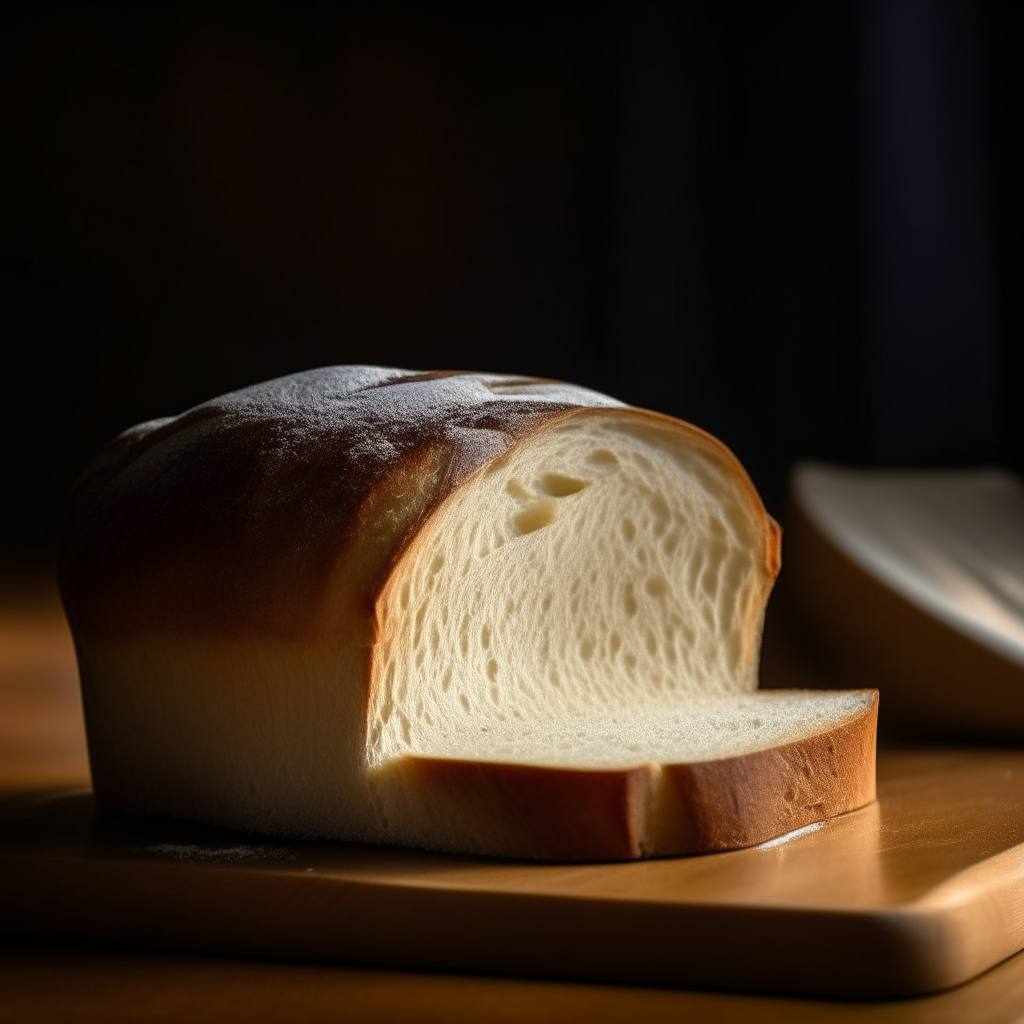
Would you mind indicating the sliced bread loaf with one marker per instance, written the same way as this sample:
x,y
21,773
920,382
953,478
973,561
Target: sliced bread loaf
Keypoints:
x,y
459,611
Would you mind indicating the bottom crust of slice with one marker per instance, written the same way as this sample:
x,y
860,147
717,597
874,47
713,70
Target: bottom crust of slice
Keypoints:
x,y
567,814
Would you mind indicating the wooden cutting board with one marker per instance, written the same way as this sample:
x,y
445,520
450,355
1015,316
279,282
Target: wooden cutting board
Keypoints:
x,y
918,892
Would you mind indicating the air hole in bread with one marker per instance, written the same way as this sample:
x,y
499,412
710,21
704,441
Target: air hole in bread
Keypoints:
x,y
537,516
558,486
603,457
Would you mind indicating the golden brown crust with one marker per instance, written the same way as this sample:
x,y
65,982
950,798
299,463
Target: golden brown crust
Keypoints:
x,y
512,810
238,516
774,549
743,801
232,517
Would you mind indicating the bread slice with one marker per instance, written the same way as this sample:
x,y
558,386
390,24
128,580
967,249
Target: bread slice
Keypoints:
x,y
459,611
912,580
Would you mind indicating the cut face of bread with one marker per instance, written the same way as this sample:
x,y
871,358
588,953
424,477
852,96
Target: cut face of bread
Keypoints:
x,y
602,567
686,733
455,611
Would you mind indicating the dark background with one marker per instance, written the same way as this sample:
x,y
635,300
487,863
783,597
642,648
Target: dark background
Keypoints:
x,y
795,224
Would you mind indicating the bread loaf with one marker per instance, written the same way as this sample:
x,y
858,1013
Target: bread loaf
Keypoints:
x,y
465,612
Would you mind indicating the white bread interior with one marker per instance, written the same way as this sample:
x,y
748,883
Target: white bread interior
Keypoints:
x,y
560,662
601,568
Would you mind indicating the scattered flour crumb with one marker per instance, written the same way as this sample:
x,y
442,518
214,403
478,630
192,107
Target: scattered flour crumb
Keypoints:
x,y
192,851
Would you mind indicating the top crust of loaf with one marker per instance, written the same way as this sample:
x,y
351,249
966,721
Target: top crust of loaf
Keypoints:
x,y
262,510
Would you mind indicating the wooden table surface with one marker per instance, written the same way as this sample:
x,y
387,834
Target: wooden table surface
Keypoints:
x,y
42,744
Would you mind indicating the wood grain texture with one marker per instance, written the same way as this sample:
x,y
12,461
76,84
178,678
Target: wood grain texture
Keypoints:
x,y
920,891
